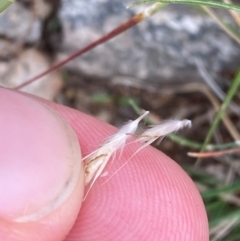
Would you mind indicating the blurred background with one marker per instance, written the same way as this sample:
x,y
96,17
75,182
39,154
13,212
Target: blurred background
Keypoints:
x,y
178,64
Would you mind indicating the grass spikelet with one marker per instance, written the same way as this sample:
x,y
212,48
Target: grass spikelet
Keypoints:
x,y
154,133
161,130
97,160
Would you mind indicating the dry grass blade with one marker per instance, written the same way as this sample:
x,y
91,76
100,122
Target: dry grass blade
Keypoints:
x,y
213,15
234,14
214,153
204,89
223,229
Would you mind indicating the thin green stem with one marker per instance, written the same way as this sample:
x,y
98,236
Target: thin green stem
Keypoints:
x,y
233,89
197,145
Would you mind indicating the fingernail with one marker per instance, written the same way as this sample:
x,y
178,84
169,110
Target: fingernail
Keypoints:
x,y
40,158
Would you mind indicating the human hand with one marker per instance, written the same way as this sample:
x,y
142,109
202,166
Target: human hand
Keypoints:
x,y
151,198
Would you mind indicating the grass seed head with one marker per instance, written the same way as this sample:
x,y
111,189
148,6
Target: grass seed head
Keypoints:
x,y
97,160
161,130
155,132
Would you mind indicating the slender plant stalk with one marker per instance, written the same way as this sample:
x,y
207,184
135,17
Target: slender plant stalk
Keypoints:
x,y
231,33
5,4
214,153
197,145
233,89
122,28
234,14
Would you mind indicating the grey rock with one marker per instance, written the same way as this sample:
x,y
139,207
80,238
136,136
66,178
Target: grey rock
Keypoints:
x,y
18,26
29,63
162,48
16,21
7,48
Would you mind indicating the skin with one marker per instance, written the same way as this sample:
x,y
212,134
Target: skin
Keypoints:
x,y
151,198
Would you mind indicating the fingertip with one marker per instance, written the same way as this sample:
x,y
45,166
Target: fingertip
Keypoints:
x,y
151,198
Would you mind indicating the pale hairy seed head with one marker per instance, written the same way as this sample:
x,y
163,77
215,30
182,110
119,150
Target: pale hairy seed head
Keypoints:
x,y
155,132
117,140
160,131
97,160
92,167
121,135
167,127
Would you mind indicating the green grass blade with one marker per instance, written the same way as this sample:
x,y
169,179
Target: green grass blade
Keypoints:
x,y
234,235
222,190
233,89
214,4
197,145
214,207
5,4
201,176
226,217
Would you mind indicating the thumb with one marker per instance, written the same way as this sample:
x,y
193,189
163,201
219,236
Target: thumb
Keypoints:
x,y
41,173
